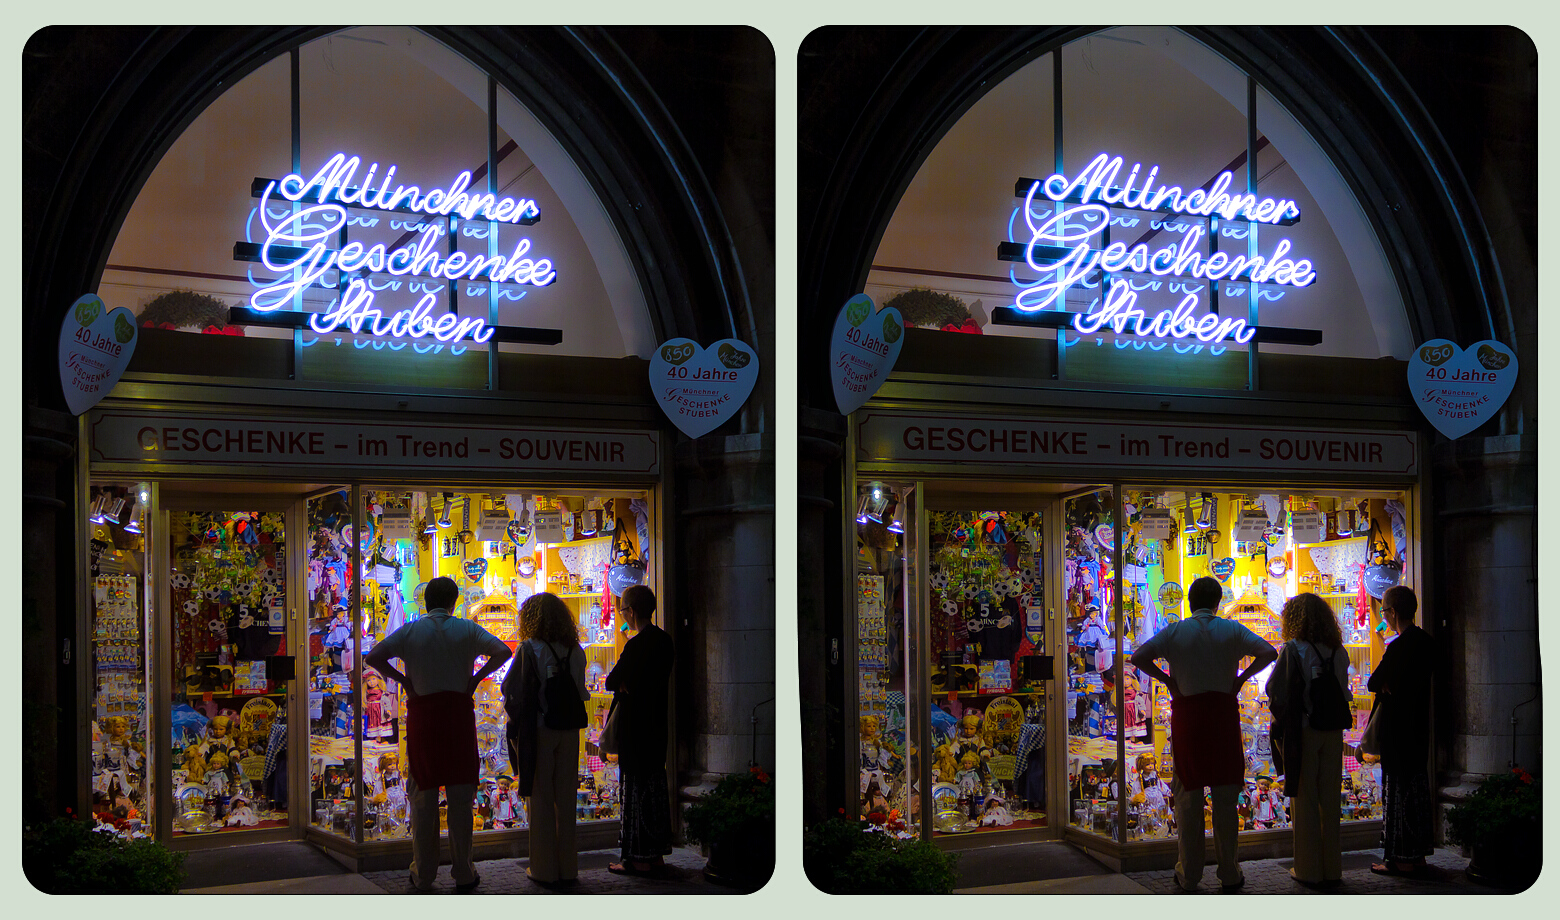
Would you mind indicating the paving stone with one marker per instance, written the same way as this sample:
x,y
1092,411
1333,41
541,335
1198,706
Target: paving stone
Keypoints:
x,y
1271,876
507,876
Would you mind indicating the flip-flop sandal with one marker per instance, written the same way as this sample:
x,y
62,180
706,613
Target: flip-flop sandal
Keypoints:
x,y
1389,869
625,869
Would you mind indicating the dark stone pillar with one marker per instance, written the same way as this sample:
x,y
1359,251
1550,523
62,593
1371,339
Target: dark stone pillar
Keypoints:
x,y
49,704
1484,612
724,609
820,462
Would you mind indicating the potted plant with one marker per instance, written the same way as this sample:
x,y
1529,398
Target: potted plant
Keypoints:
x,y
867,856
1498,824
735,823
70,856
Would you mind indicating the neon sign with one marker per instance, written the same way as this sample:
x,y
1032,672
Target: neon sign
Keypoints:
x,y
294,248
1067,225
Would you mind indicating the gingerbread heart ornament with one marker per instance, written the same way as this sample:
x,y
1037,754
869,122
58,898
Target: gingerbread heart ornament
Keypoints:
x,y
699,388
1459,390
862,351
95,345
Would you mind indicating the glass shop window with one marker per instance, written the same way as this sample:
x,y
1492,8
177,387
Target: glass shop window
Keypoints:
x,y
500,548
120,768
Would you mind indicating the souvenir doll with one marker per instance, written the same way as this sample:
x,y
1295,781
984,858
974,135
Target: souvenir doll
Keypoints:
x,y
995,813
968,779
1264,804
969,738
376,725
503,802
241,813
218,784
870,742
219,737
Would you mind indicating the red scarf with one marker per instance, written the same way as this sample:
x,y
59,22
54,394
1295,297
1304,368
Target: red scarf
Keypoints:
x,y
441,739
1205,733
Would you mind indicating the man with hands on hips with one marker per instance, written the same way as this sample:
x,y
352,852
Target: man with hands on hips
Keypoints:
x,y
1204,652
438,652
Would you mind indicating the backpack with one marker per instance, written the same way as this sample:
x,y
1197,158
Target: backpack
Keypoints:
x,y
1329,708
565,709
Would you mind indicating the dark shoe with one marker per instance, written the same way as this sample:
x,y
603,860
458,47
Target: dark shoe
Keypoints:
x,y
412,880
545,883
1235,886
476,879
1180,885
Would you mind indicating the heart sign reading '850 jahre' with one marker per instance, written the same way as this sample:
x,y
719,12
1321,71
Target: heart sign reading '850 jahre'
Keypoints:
x,y
95,345
862,351
699,388
1460,390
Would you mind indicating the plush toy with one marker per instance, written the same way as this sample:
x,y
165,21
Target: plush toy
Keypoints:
x,y
194,765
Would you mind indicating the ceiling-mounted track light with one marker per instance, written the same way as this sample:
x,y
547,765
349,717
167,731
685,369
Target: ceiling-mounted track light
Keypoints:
x,y
1209,513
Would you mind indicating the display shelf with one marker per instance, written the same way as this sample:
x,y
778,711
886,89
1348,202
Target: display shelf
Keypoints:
x,y
578,542
580,594
1338,542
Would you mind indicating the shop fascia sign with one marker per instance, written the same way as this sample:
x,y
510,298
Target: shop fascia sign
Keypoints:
x,y
1073,444
1066,216
130,439
294,248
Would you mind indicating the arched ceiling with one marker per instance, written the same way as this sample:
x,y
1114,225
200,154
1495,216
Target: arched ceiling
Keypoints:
x,y
1158,97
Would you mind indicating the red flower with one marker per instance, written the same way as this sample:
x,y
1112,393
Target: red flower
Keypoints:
x,y
759,772
1522,774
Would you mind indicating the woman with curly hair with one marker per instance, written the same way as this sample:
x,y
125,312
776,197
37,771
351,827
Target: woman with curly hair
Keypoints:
x,y
548,758
1313,757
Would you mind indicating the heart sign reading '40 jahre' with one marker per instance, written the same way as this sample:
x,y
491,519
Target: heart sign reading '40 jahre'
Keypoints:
x,y
1460,390
862,351
95,345
699,388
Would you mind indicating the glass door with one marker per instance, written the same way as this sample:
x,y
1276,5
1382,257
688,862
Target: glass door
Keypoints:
x,y
987,668
225,621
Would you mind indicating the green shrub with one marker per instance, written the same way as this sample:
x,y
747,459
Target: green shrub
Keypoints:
x,y
847,857
741,806
1505,806
67,856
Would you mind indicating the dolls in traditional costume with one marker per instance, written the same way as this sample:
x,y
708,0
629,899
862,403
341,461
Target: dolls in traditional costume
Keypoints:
x,y
968,779
995,813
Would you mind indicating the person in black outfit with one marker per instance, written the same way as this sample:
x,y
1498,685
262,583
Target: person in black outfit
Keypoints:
x,y
639,685
1402,684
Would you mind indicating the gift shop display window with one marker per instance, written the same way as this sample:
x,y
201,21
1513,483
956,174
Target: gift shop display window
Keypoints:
x,y
226,622
584,545
1125,583
886,652
986,603
121,756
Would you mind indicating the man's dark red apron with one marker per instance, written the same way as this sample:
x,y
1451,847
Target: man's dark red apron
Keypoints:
x,y
441,739
1205,740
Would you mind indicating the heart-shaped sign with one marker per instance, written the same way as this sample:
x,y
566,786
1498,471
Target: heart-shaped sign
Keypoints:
x,y
699,388
862,351
1223,569
95,345
476,568
1460,390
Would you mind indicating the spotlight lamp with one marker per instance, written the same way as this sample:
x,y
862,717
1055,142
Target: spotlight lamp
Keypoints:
x,y
1209,512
